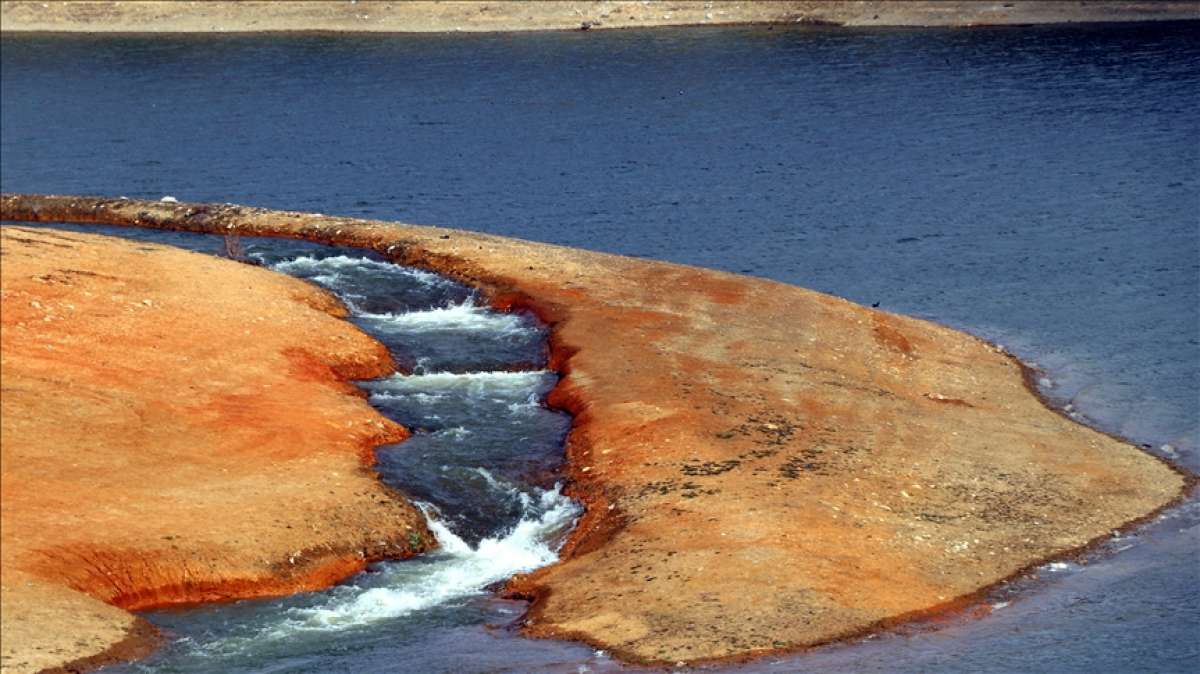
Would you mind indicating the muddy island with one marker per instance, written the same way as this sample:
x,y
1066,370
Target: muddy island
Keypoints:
x,y
764,467
177,428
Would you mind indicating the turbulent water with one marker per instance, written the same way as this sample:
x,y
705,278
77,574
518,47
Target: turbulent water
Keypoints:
x,y
482,449
1036,186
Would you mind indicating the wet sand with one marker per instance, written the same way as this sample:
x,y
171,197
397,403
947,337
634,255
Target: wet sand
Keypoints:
x,y
765,467
177,428
421,16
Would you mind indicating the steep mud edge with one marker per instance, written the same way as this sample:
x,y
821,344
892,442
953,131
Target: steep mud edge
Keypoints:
x,y
764,467
177,428
158,16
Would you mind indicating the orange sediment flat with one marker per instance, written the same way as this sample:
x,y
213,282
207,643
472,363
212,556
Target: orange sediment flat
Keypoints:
x,y
177,428
764,467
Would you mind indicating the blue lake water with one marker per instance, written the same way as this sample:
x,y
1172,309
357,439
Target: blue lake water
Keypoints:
x,y
1038,186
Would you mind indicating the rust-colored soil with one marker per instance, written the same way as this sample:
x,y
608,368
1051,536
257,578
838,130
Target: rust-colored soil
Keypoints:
x,y
764,466
176,428
172,16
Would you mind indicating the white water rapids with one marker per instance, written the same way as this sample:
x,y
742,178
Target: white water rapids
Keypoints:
x,y
456,571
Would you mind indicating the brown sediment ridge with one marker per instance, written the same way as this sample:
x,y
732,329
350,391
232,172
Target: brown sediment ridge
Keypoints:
x,y
177,428
764,467
159,16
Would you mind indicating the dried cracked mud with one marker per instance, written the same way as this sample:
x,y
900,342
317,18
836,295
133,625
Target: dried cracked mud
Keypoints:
x,y
764,467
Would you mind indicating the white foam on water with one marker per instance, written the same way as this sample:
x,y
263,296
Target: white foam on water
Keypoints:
x,y
525,407
456,570
527,503
524,386
453,572
427,398
331,267
458,432
494,483
327,280
465,317
468,316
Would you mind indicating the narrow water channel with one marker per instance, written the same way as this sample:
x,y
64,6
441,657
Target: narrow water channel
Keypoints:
x,y
480,465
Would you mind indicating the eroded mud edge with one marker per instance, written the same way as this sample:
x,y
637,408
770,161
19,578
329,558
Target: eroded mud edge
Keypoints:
x,y
403,244
142,639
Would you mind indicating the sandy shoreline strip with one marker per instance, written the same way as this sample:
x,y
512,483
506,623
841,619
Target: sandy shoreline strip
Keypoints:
x,y
177,428
170,16
765,467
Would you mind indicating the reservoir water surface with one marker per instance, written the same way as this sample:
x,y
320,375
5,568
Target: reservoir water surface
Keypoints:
x,y
1035,186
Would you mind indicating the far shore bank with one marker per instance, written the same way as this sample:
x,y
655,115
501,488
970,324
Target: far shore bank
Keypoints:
x,y
424,16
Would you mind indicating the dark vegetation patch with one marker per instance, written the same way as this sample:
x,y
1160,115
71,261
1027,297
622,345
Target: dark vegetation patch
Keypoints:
x,y
692,490
710,467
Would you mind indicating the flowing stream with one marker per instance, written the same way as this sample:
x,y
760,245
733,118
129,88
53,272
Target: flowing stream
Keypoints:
x,y
480,466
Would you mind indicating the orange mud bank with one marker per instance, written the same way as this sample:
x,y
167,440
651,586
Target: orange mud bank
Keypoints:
x,y
176,428
764,467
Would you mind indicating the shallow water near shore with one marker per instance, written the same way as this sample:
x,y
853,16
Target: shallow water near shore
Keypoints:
x,y
1037,187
